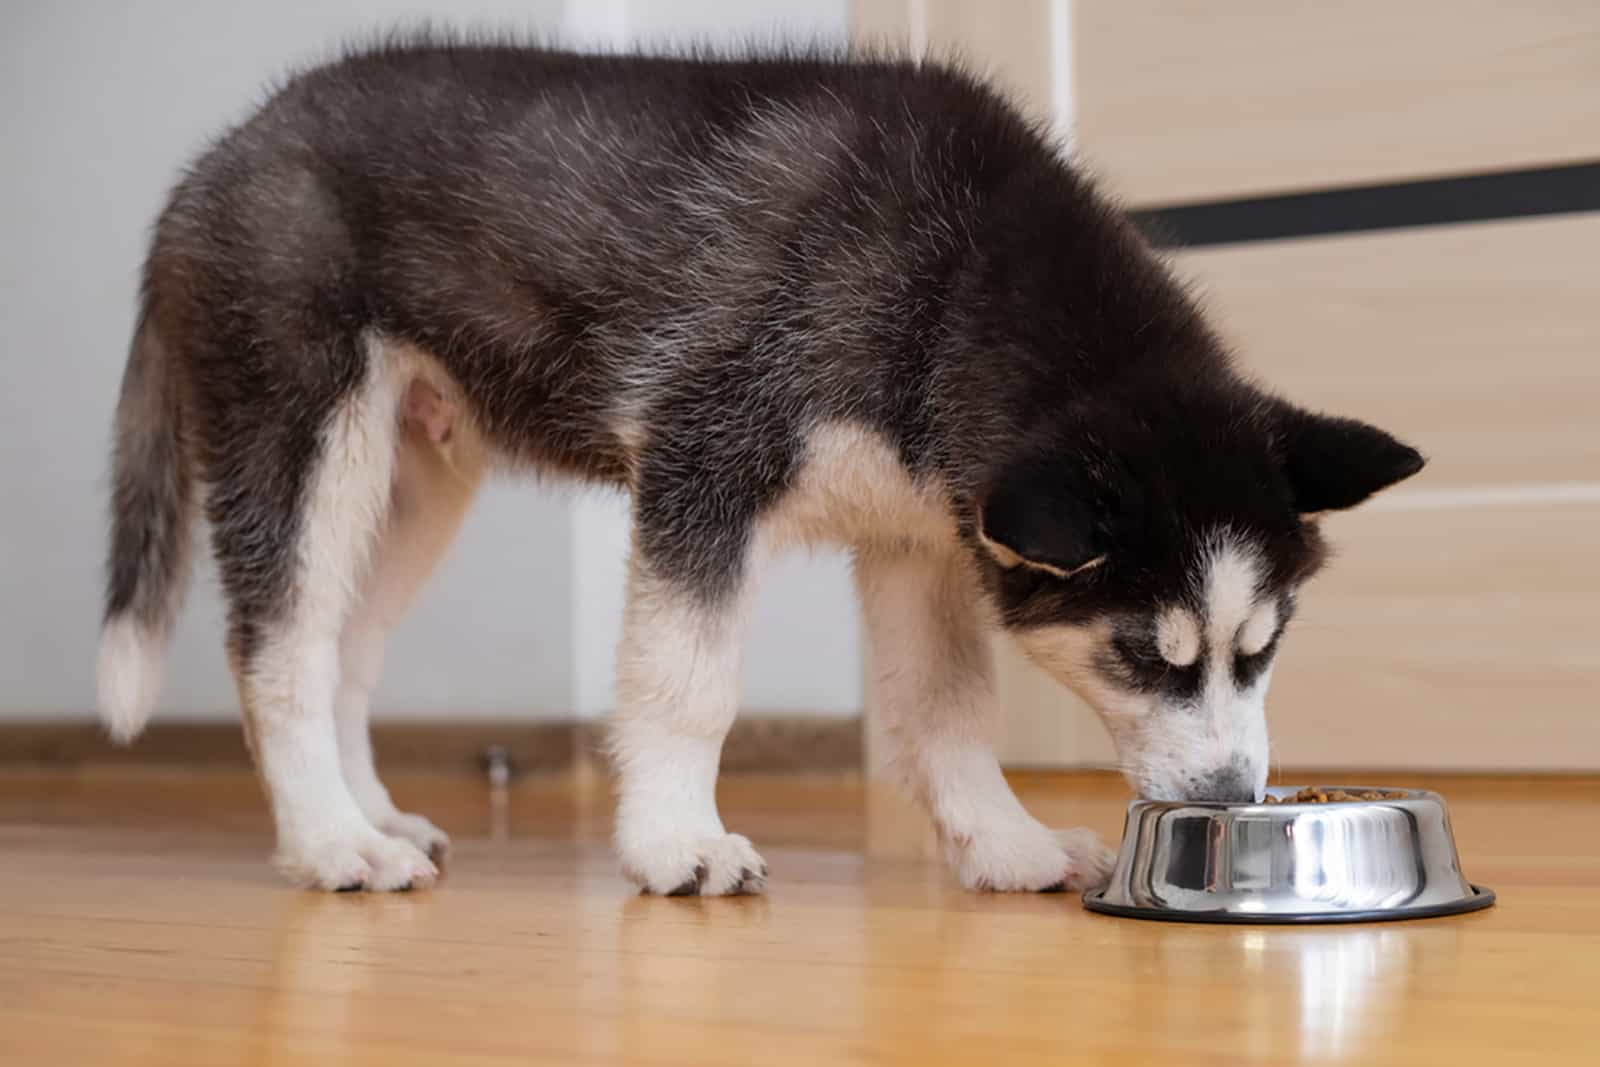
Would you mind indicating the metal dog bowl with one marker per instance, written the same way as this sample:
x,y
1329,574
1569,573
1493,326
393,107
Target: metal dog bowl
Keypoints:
x,y
1344,861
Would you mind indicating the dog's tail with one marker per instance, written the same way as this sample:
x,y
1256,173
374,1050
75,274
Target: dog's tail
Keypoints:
x,y
152,497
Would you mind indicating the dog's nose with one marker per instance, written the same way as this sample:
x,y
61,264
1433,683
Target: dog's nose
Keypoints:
x,y
1228,785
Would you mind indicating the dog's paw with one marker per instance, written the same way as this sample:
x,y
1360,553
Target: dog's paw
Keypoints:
x,y
1089,861
726,865
429,839
372,861
1029,858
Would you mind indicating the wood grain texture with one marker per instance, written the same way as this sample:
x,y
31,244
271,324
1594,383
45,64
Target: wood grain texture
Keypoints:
x,y
141,926
1196,101
1448,639
1478,343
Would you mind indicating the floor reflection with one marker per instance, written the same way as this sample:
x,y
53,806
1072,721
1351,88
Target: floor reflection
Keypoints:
x,y
327,953
1323,993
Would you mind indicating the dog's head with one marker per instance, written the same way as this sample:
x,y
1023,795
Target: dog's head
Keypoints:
x,y
1152,562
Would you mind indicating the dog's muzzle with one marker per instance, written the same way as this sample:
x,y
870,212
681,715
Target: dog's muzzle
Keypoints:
x,y
1227,785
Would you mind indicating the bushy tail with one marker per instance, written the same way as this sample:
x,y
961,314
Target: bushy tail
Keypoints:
x,y
151,514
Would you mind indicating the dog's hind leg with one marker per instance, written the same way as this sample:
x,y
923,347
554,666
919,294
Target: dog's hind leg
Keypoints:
x,y
433,486
301,489
933,702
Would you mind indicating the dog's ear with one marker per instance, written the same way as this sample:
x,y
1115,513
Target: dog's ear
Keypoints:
x,y
1034,516
1335,463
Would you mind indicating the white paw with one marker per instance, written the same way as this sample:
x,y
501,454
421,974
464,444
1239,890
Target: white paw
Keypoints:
x,y
707,866
1029,857
1089,861
431,840
371,861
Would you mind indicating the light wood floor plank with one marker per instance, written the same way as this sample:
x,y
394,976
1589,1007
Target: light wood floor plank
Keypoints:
x,y
139,924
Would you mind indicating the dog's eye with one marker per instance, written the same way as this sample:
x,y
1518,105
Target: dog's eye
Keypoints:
x,y
1247,670
1139,664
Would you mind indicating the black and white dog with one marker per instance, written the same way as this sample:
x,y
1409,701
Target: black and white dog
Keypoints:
x,y
780,300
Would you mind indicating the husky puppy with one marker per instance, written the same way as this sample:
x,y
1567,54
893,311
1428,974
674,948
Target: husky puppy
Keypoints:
x,y
779,300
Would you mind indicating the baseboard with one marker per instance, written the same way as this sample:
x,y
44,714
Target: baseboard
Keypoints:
x,y
789,743
778,744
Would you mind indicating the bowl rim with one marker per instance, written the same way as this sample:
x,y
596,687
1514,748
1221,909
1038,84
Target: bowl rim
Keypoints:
x,y
1480,898
1409,796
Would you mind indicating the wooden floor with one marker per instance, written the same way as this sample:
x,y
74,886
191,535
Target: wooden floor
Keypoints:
x,y
139,924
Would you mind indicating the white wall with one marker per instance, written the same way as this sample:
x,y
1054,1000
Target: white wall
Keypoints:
x,y
103,102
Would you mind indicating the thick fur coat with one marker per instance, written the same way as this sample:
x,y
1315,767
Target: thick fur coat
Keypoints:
x,y
777,299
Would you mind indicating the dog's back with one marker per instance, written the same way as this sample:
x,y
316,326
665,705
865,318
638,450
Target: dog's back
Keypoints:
x,y
592,252
579,238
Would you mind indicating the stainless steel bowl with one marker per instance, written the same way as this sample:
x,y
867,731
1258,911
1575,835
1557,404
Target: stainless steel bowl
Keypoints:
x,y
1346,861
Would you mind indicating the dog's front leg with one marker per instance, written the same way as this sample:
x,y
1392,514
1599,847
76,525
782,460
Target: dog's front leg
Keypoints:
x,y
933,702
677,692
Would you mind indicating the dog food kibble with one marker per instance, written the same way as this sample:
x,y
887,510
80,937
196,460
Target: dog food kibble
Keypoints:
x,y
1312,794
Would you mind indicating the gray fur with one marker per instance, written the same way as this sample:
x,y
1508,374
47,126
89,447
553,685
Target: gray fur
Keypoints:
x,y
152,490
